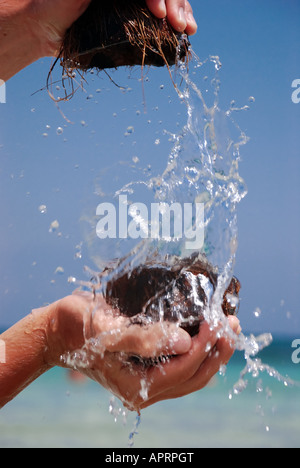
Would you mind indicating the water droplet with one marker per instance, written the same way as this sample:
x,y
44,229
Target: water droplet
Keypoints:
x,y
59,130
257,312
144,389
251,99
259,386
71,279
162,86
233,299
59,270
269,393
135,159
54,226
208,347
129,131
43,209
157,141
78,254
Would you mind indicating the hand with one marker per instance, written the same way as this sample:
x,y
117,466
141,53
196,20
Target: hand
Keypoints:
x,y
178,12
54,17
112,340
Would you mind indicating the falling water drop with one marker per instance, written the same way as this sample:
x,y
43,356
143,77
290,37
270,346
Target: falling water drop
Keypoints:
x,y
43,209
257,312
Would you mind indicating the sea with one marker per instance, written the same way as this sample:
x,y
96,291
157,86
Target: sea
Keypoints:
x,y
58,411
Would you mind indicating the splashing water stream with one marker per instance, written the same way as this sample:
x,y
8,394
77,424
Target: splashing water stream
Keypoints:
x,y
203,167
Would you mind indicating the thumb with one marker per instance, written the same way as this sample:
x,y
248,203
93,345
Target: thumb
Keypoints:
x,y
149,341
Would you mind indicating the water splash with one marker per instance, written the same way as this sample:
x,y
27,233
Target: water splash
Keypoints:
x,y
203,166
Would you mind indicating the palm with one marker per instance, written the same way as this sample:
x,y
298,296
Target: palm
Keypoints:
x,y
55,17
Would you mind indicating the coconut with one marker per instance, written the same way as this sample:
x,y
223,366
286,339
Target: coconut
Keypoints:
x,y
178,293
121,33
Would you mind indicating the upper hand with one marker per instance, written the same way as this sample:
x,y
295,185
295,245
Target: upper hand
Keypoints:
x,y
52,18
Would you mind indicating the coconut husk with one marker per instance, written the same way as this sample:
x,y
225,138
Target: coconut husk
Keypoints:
x,y
178,294
121,33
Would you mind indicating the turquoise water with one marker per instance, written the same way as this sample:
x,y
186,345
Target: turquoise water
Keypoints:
x,y
56,412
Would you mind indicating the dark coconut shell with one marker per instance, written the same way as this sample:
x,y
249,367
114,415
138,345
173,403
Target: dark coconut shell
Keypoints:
x,y
176,294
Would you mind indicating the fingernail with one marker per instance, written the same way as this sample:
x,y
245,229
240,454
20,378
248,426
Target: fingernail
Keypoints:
x,y
162,7
181,342
235,324
182,18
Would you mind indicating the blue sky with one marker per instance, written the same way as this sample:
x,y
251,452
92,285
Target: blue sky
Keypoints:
x,y
258,42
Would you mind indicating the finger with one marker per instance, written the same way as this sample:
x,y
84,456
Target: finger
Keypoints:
x,y
191,27
182,368
217,353
148,341
182,375
115,333
219,356
157,7
234,324
176,14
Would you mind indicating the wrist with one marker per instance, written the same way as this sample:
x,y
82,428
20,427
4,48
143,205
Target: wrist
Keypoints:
x,y
66,329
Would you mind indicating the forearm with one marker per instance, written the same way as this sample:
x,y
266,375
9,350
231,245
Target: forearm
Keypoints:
x,y
23,349
20,44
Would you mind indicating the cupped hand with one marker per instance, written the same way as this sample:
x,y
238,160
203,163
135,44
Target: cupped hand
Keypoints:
x,y
100,343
